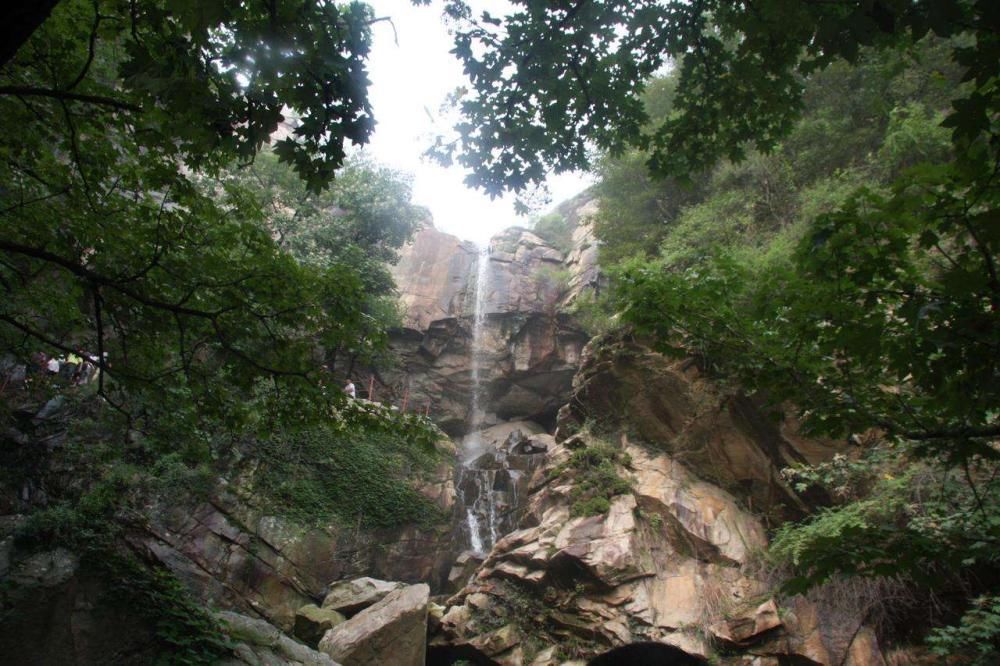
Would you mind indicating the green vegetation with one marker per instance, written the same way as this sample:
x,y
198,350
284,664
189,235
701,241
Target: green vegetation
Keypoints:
x,y
553,80
976,634
556,230
849,272
593,470
361,475
142,218
595,314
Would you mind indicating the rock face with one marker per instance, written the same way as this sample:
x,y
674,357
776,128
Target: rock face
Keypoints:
x,y
670,561
725,439
530,346
234,554
52,615
392,631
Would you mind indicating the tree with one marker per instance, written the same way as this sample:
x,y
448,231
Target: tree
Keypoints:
x,y
123,230
553,79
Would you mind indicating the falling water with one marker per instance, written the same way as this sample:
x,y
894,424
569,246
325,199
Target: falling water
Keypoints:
x,y
478,320
482,505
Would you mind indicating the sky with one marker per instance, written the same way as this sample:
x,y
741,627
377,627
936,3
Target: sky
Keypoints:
x,y
409,84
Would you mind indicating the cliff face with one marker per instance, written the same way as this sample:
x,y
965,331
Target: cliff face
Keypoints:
x,y
675,557
672,556
528,349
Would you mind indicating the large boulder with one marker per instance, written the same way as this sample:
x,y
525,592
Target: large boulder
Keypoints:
x,y
312,622
393,631
350,596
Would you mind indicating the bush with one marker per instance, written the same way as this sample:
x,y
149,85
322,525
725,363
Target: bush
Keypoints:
x,y
556,231
357,476
594,471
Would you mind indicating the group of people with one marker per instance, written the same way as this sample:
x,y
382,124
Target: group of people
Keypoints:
x,y
77,368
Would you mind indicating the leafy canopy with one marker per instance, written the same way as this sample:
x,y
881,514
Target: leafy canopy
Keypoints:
x,y
552,80
127,232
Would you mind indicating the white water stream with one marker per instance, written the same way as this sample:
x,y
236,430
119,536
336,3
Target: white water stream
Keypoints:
x,y
482,508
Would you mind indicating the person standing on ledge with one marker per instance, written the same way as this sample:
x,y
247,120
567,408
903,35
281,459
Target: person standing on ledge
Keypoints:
x,y
349,389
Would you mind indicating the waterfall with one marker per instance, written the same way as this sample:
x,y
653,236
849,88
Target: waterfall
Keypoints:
x,y
478,483
478,320
488,478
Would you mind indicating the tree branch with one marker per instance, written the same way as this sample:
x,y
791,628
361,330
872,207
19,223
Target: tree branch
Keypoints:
x,y
102,280
27,91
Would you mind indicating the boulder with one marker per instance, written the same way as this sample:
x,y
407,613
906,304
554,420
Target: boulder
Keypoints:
x,y
744,627
393,631
349,597
312,622
260,642
465,565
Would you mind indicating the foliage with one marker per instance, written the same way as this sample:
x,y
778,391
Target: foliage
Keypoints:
x,y
860,125
551,79
925,523
361,475
977,637
203,82
593,470
134,226
126,231
555,230
593,313
883,316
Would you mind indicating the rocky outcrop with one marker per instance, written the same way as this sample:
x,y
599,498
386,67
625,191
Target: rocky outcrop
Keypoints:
x,y
235,554
668,563
392,631
725,438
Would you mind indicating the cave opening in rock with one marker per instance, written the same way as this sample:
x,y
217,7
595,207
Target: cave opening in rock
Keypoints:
x,y
646,654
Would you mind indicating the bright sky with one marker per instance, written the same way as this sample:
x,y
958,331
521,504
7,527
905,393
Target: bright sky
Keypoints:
x,y
409,84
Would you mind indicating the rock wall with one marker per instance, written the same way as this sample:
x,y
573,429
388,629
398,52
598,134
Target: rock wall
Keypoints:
x,y
673,561
234,554
530,347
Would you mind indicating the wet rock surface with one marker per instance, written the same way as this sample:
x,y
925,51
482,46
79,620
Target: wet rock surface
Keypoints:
x,y
391,631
